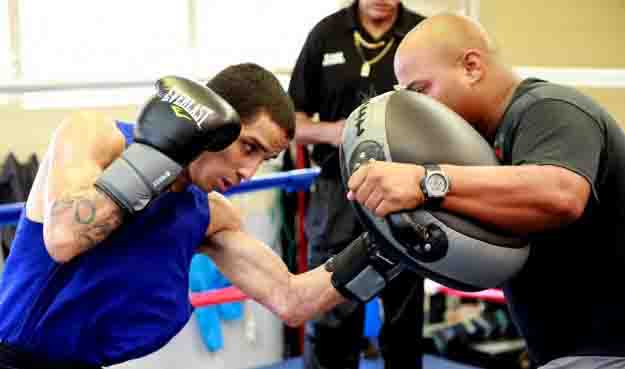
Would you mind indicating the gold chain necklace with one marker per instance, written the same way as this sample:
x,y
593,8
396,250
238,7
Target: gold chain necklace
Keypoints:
x,y
365,70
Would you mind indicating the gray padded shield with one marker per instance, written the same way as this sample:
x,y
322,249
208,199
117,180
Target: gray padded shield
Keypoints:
x,y
408,127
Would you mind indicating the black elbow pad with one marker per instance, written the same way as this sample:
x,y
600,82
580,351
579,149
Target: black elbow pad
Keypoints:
x,y
362,270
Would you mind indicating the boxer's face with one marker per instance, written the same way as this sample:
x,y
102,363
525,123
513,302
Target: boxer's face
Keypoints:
x,y
378,10
261,139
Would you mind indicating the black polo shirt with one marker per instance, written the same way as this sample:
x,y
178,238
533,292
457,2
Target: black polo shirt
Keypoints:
x,y
326,78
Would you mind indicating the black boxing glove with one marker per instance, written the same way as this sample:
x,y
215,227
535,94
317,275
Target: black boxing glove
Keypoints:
x,y
183,119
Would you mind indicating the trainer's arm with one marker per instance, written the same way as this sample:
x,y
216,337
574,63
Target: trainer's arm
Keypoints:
x,y
523,199
555,162
77,216
253,267
309,132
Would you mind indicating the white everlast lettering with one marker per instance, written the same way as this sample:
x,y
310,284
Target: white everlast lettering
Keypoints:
x,y
162,178
198,112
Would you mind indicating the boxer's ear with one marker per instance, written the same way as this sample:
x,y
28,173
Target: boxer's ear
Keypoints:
x,y
472,62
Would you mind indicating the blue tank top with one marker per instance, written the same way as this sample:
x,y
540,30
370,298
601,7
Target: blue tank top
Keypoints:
x,y
123,299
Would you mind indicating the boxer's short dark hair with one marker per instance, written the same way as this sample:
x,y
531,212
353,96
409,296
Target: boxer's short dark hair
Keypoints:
x,y
252,89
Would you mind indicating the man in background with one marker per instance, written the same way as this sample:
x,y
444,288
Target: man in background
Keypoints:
x,y
347,59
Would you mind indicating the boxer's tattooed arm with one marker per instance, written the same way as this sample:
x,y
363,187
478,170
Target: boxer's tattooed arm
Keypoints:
x,y
86,217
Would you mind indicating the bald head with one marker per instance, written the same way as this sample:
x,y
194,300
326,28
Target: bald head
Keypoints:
x,y
452,59
448,36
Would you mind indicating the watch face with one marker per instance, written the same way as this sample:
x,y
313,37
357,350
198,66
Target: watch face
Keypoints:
x,y
437,185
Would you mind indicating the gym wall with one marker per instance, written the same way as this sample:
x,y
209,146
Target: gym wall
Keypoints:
x,y
558,33
563,34
554,34
28,131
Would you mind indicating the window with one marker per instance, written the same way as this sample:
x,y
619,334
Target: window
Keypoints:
x,y
5,49
118,40
85,98
5,44
270,33
114,40
66,40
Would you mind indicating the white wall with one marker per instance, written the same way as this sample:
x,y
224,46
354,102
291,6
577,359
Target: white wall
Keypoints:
x,y
187,351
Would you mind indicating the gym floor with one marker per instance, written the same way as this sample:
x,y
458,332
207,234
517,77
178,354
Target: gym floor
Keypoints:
x,y
429,362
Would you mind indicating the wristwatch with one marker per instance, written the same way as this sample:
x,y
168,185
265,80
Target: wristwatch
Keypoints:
x,y
434,185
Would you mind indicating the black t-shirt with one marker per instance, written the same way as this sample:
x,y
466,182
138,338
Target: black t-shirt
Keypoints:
x,y
326,78
568,299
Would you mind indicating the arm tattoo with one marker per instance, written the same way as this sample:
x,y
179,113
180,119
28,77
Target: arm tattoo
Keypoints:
x,y
89,215
84,212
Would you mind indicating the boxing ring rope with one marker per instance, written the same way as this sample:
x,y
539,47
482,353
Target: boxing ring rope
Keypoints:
x,y
9,214
294,180
489,295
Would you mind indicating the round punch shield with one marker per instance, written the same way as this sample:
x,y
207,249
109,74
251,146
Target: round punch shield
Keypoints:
x,y
456,251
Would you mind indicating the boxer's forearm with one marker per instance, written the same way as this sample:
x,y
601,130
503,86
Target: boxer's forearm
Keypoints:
x,y
313,294
258,271
522,199
74,223
251,266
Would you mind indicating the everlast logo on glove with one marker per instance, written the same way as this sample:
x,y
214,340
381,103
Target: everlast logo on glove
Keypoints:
x,y
165,142
180,113
199,113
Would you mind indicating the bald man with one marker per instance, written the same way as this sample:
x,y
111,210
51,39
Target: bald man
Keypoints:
x,y
561,154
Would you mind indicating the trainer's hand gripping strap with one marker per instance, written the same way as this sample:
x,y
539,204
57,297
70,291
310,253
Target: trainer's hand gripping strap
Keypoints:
x,y
362,270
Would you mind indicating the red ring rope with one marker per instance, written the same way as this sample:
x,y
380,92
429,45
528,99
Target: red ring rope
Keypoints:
x,y
231,294
219,296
